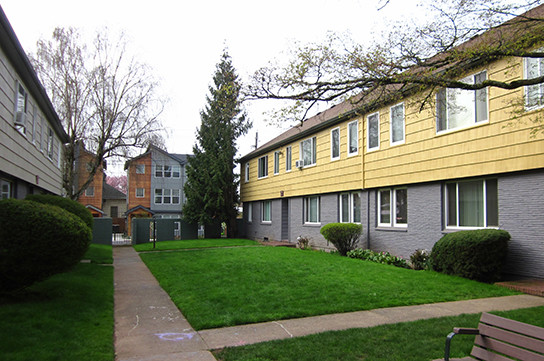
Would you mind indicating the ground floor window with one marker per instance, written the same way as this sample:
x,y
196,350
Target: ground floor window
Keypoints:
x,y
472,204
266,213
311,209
350,207
249,212
5,189
393,207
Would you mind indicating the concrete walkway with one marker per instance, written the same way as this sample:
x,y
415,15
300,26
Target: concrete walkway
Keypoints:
x,y
148,326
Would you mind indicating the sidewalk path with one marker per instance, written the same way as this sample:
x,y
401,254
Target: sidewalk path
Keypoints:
x,y
148,326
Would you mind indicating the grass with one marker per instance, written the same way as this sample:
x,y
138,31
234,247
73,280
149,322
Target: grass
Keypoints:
x,y
225,287
410,341
67,317
99,253
194,244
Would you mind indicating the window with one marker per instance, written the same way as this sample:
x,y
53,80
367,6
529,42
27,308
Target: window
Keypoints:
x,y
350,207
472,204
393,207
276,162
167,196
311,209
140,192
308,151
33,125
250,212
353,138
50,145
114,211
373,131
89,191
176,171
335,144
458,108
263,167
266,213
5,189
288,159
20,107
140,168
534,94
397,124
246,175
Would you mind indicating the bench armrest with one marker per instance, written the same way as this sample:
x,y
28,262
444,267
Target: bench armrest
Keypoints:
x,y
457,331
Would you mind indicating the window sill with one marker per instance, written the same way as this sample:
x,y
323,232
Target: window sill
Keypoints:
x,y
471,126
457,229
392,229
308,224
266,223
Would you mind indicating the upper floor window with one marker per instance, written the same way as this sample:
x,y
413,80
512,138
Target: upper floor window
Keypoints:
x,y
335,144
353,138
263,167
308,151
350,207
373,131
140,192
140,168
472,204
288,158
89,191
167,196
397,124
459,108
50,143
276,162
393,207
246,175
311,209
20,107
534,94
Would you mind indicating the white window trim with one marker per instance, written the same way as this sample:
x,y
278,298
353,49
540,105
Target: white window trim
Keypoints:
x,y
306,207
246,175
471,125
262,212
277,162
288,158
525,92
351,154
392,208
259,167
313,142
368,132
88,192
391,142
333,158
22,124
136,193
250,213
351,215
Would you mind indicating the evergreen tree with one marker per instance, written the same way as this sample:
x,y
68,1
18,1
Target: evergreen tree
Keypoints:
x,y
212,186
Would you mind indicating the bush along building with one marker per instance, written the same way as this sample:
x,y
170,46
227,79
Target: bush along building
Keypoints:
x,y
156,180
31,134
468,160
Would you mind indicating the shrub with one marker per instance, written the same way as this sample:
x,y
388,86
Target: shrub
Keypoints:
x,y
303,243
38,241
344,236
420,259
477,254
378,257
65,203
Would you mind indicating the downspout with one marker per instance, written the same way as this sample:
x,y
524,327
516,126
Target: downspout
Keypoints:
x,y
368,219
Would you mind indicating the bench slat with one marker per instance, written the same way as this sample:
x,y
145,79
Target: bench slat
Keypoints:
x,y
506,349
483,354
512,338
515,326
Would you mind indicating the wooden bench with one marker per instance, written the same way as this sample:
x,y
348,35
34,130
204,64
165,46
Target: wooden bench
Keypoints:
x,y
501,339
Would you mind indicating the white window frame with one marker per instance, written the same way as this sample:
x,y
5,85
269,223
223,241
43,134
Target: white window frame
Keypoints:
x,y
350,131
33,125
537,88
176,171
443,105
350,199
370,119
313,147
5,189
277,162
50,143
392,208
140,168
167,193
307,208
262,167
266,204
392,121
485,204
333,136
249,212
143,193
246,173
21,105
288,159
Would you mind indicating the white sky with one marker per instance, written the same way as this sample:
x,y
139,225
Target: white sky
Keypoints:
x,y
183,41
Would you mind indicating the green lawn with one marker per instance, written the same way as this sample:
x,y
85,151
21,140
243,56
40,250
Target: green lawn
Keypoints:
x,y
194,244
232,286
99,253
67,317
410,341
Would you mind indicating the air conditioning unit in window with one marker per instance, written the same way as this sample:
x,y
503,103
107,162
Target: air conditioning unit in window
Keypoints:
x,y
299,163
20,119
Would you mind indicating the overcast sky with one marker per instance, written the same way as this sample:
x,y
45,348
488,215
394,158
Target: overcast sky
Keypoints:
x,y
183,41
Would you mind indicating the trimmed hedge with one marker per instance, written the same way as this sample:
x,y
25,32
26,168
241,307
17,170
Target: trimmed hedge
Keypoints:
x,y
65,203
37,241
477,254
344,236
